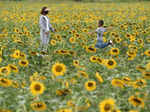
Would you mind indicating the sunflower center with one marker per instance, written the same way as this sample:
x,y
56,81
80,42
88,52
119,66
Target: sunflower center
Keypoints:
x,y
23,62
3,81
137,101
147,74
83,74
39,105
94,58
99,60
110,62
139,83
90,84
63,51
107,107
58,68
12,67
4,70
37,87
115,50
90,48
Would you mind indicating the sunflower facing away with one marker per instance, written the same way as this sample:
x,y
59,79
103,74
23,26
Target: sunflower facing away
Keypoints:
x,y
58,69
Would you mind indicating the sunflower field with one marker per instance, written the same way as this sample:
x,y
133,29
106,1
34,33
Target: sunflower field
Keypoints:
x,y
74,76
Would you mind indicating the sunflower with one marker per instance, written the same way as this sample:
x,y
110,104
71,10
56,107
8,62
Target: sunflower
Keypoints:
x,y
133,111
147,52
43,52
115,110
58,69
126,80
82,73
93,59
5,70
99,77
140,83
22,55
53,42
100,60
90,49
117,83
1,59
38,106
33,53
110,64
114,51
148,66
131,53
64,52
64,110
5,110
140,68
107,105
128,35
37,88
23,63
146,75
70,103
76,63
72,40
148,40
16,54
113,33
15,84
13,68
73,53
63,92
118,40
130,57
136,101
90,85
5,82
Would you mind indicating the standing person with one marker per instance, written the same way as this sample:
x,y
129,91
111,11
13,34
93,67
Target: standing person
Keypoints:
x,y
45,28
100,30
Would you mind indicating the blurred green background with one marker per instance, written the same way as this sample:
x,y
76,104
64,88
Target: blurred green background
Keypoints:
x,y
80,0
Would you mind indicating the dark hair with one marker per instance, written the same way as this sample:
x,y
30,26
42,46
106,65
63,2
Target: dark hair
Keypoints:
x,y
101,22
43,10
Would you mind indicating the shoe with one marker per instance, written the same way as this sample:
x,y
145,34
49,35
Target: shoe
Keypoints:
x,y
111,42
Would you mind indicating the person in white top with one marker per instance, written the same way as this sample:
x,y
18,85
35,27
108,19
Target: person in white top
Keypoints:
x,y
100,30
45,28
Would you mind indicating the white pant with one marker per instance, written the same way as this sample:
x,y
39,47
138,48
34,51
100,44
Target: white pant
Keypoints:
x,y
44,38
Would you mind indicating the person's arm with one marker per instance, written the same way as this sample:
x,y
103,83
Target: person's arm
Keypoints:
x,y
51,28
108,28
93,32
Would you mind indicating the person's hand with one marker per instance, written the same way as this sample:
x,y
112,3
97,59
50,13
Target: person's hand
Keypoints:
x,y
46,33
90,33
